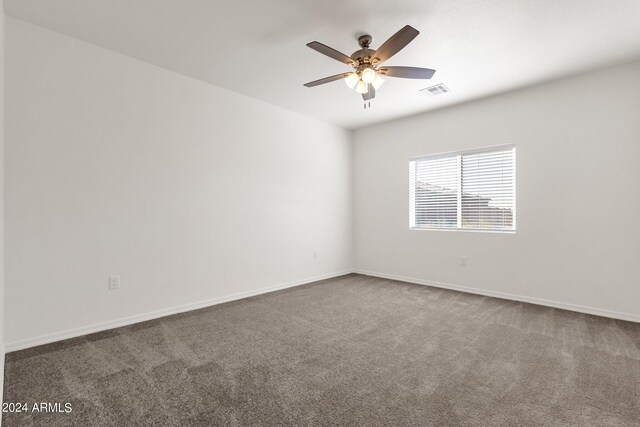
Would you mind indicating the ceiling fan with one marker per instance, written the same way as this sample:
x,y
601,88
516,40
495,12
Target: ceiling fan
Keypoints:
x,y
368,72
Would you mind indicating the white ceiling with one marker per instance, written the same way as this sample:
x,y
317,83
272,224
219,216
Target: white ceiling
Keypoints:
x,y
257,48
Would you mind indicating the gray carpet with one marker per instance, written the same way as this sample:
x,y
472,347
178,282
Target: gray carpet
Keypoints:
x,y
349,351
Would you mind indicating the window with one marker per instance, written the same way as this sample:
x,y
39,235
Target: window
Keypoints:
x,y
471,190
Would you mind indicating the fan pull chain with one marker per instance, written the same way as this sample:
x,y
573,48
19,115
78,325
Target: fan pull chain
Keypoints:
x,y
367,105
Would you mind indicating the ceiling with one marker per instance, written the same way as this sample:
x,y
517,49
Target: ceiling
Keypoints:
x,y
257,48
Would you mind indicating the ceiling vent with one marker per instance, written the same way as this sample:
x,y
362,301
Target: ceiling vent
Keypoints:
x,y
435,90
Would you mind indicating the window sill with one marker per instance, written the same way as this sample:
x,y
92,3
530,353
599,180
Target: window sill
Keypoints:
x,y
464,230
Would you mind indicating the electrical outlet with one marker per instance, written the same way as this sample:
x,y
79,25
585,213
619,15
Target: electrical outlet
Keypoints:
x,y
463,261
114,283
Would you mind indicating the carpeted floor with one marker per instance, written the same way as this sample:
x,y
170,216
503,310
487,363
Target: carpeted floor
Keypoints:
x,y
355,350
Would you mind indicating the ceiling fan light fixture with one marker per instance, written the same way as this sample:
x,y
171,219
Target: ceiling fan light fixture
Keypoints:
x,y
368,75
352,80
361,87
377,82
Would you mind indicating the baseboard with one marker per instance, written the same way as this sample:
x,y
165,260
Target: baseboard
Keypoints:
x,y
504,295
98,327
124,321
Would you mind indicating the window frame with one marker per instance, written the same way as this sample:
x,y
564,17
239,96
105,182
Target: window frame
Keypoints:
x,y
458,154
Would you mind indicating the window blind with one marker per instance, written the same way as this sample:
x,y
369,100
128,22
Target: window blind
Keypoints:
x,y
468,190
488,194
436,192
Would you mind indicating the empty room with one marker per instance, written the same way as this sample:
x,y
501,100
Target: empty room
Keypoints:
x,y
320,213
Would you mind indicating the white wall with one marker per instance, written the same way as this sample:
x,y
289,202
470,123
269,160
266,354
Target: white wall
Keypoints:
x,y
578,195
188,191
1,202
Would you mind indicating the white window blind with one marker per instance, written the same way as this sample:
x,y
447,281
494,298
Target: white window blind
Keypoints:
x,y
469,190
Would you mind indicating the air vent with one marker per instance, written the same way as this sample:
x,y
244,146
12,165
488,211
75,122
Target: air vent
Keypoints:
x,y
435,90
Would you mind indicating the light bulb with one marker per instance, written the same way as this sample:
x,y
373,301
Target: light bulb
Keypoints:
x,y
368,75
377,82
352,80
361,87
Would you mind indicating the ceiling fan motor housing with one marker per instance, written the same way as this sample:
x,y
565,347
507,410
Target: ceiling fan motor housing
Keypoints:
x,y
362,56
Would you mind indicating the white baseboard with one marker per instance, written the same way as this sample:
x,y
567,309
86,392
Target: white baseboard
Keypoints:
x,y
124,321
504,295
98,327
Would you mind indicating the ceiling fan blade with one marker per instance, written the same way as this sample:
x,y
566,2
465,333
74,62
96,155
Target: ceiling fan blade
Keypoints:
x,y
330,52
371,93
395,44
327,80
407,72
